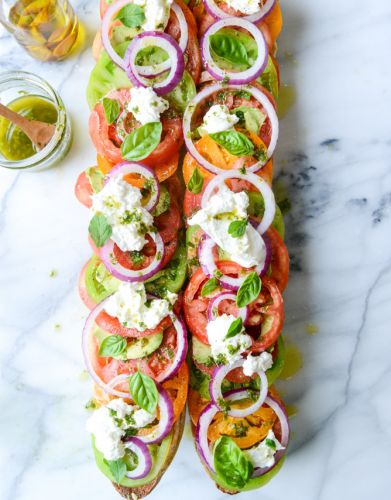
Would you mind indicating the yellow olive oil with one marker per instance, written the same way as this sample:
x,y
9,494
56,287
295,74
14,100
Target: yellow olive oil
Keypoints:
x,y
48,29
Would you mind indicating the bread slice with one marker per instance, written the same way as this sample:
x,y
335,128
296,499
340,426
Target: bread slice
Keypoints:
x,y
145,489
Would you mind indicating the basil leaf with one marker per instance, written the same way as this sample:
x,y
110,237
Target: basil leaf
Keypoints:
x,y
231,463
253,118
131,16
234,142
237,228
113,346
235,328
209,287
99,230
271,444
142,141
249,290
117,469
196,182
111,108
229,48
144,392
96,178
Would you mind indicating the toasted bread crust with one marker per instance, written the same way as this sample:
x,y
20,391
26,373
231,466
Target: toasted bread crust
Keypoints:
x,y
143,491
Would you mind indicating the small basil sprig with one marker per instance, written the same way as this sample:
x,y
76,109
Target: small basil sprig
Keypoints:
x,y
111,108
131,16
249,290
142,141
231,463
237,228
229,48
117,469
113,346
143,391
234,142
196,182
209,287
235,328
99,230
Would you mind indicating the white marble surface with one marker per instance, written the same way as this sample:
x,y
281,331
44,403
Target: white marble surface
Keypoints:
x,y
339,238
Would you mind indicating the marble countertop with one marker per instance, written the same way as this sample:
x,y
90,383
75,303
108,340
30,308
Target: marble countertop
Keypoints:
x,y
334,161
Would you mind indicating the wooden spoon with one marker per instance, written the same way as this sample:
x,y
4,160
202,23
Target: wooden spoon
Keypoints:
x,y
38,132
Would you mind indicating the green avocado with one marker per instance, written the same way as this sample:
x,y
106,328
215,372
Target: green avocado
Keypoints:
x,y
139,348
159,455
173,276
201,352
99,282
252,484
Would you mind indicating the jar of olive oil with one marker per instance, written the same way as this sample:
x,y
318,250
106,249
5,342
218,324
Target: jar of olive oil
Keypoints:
x,y
47,29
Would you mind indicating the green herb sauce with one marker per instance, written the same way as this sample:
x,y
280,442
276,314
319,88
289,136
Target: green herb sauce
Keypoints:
x,y
14,143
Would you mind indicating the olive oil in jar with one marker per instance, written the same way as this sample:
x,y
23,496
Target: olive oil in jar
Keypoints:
x,y
47,29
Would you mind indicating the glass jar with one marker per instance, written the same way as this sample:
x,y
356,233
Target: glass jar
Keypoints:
x,y
47,29
15,85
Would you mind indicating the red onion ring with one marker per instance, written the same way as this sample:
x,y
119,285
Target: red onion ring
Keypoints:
x,y
165,42
262,186
211,89
158,69
240,77
208,414
217,13
214,306
147,71
172,369
144,458
216,395
105,30
209,267
106,254
280,411
166,419
124,168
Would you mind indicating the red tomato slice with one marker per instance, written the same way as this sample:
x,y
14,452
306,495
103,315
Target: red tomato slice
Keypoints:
x,y
280,259
113,326
108,143
148,253
266,315
193,63
169,222
83,190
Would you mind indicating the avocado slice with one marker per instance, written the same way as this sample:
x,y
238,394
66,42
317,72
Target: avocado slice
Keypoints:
x,y
144,346
201,352
137,348
159,454
99,282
